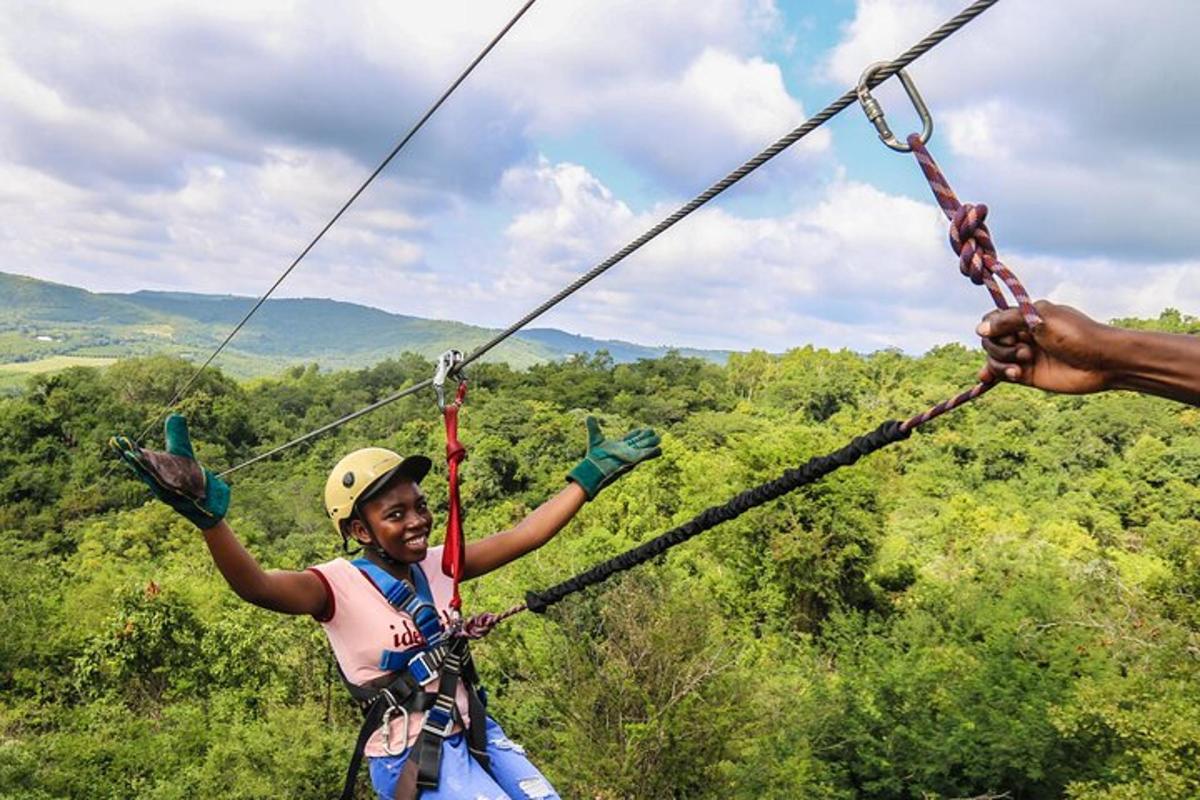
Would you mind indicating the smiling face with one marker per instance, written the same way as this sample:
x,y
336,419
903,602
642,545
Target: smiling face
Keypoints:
x,y
400,519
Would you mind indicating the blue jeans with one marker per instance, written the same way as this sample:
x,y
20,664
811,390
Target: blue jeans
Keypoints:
x,y
462,778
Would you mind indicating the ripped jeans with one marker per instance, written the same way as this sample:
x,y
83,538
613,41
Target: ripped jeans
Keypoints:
x,y
462,778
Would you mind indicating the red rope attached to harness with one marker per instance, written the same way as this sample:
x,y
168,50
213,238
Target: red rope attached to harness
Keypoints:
x,y
454,551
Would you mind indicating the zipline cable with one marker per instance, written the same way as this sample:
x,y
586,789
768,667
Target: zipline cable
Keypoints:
x,y
882,73
283,276
829,112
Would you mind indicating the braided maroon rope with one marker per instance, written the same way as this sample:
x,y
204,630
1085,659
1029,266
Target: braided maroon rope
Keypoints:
x,y
481,625
973,244
971,240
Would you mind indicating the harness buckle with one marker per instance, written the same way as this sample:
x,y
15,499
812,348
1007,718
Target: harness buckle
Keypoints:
x,y
393,709
438,720
423,667
447,366
874,111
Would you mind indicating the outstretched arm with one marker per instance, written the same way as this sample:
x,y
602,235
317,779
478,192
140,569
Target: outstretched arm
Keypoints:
x,y
285,591
528,535
177,479
1073,354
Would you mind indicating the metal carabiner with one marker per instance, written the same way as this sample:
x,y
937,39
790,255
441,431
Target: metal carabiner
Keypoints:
x,y
448,363
874,111
386,725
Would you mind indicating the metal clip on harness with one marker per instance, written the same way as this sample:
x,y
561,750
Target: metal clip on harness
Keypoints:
x,y
874,111
394,708
448,366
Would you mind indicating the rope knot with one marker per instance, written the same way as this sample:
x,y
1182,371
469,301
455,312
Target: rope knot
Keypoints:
x,y
972,242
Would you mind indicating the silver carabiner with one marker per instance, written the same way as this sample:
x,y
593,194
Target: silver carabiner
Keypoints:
x,y
874,111
448,363
386,726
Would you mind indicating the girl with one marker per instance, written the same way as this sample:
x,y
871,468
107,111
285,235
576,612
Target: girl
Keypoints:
x,y
426,730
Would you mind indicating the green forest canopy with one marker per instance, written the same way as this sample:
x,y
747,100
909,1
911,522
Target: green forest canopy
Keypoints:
x,y
1003,605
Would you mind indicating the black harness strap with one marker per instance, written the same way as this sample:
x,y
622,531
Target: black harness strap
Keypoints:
x,y
440,720
401,692
477,708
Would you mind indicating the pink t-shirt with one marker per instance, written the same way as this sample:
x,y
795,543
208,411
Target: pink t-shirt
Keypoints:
x,y
362,624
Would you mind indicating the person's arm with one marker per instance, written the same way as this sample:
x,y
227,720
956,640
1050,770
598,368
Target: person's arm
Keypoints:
x,y
1071,353
285,591
528,535
199,495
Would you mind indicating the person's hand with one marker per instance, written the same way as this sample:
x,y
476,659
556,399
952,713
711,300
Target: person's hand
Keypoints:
x,y
608,459
1066,353
175,477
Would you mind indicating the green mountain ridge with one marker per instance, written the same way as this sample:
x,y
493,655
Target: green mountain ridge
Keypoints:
x,y
40,320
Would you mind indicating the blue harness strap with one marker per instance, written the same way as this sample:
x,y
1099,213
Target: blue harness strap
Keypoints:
x,y
414,599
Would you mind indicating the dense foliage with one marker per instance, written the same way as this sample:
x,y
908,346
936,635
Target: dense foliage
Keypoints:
x,y
1002,606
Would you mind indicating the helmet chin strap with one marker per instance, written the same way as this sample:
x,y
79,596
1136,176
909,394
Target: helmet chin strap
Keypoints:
x,y
384,556
376,548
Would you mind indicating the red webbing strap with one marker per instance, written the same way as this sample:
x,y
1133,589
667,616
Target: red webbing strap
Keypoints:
x,y
454,552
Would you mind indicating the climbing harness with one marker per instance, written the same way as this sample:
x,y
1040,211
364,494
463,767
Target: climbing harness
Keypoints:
x,y
444,655
404,691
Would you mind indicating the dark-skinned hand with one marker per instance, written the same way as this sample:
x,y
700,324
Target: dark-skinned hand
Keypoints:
x,y
1066,353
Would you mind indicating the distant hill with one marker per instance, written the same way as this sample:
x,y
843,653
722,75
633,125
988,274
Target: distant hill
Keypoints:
x,y
622,352
40,320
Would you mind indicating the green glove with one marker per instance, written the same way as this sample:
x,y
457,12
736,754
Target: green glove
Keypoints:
x,y
175,477
608,459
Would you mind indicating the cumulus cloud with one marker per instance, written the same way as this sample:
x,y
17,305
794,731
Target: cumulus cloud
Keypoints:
x,y
721,108
854,267
1066,114
215,139
838,271
128,90
185,146
176,82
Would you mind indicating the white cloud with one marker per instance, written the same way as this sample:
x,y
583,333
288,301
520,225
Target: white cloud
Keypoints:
x,y
200,147
690,123
1067,115
856,267
716,278
210,142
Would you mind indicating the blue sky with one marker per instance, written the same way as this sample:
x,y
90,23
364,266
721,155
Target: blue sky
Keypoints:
x,y
178,145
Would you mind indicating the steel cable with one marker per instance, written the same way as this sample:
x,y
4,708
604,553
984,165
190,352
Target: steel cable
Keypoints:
x,y
944,31
337,423
283,276
810,125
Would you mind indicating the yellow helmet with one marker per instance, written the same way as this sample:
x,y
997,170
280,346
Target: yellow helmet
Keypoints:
x,y
362,473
